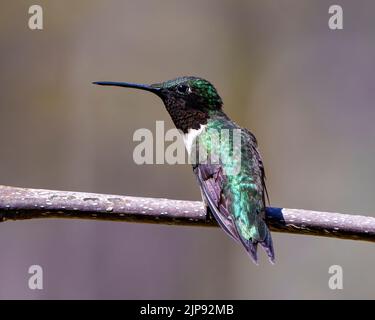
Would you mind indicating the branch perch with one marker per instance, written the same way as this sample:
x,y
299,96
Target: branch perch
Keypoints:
x,y
22,203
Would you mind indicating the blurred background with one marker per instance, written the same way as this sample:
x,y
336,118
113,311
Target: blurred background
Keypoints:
x,y
305,91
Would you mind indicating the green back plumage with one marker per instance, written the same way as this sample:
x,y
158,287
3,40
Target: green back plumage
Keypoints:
x,y
244,184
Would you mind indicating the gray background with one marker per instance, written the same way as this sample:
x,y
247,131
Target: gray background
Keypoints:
x,y
306,92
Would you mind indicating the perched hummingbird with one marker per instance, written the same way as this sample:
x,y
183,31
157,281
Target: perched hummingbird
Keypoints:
x,y
237,200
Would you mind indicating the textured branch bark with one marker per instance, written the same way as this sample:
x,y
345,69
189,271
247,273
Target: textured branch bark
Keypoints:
x,y
22,203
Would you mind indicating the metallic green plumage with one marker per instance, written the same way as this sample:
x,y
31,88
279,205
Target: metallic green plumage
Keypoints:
x,y
243,186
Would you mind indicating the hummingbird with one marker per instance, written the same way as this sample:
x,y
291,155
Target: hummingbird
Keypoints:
x,y
236,198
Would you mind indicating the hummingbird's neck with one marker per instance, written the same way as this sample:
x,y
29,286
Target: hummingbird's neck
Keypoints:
x,y
186,119
188,112
193,119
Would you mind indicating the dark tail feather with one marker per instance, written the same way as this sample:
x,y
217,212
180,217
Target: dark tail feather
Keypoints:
x,y
268,247
252,246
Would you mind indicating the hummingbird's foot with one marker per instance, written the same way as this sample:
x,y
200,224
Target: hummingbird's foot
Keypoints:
x,y
209,215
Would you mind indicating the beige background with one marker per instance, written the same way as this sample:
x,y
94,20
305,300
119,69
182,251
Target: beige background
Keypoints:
x,y
306,92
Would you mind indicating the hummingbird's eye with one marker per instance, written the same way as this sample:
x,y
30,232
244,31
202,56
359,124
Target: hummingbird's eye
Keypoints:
x,y
183,88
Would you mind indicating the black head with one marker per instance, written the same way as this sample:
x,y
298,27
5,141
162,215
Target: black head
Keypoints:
x,y
189,100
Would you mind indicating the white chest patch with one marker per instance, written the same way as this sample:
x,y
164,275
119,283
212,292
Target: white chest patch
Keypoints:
x,y
190,137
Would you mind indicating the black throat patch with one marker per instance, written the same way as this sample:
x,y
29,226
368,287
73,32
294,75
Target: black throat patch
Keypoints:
x,y
185,114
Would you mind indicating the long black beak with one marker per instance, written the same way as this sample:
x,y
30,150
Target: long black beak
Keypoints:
x,y
145,87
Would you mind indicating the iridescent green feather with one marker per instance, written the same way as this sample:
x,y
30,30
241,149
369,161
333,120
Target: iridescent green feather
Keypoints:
x,y
243,185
